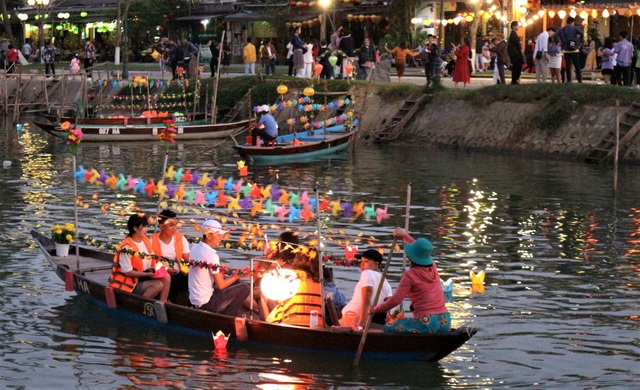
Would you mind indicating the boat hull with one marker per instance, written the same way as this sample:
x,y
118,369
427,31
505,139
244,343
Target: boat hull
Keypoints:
x,y
186,131
315,146
379,345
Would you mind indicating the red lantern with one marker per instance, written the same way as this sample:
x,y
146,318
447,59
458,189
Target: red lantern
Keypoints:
x,y
349,69
367,17
318,68
293,3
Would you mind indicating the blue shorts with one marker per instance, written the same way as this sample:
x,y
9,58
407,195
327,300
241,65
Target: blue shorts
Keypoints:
x,y
433,323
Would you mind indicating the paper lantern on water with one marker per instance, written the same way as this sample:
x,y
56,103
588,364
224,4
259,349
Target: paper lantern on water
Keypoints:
x,y
308,92
333,60
318,68
220,340
282,89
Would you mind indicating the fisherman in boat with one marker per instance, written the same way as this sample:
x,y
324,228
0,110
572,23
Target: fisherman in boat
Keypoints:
x,y
173,245
267,127
283,255
299,309
422,284
229,297
356,311
133,271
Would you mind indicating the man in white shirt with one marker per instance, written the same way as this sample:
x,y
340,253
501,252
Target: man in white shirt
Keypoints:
x,y
229,296
541,56
365,290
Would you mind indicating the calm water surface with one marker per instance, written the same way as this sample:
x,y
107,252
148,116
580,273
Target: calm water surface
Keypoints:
x,y
560,307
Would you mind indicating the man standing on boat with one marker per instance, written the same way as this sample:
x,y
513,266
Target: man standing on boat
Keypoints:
x,y
267,128
358,307
228,296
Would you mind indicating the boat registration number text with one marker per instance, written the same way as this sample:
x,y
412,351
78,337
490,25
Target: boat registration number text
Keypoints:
x,y
108,130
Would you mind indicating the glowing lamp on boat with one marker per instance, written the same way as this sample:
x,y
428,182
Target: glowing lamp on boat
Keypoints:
x,y
308,92
282,89
280,285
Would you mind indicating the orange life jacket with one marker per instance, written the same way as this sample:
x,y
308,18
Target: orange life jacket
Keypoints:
x,y
297,309
157,249
118,279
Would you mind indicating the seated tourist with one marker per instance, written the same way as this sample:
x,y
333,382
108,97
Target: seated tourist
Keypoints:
x,y
267,127
421,283
297,309
332,291
228,297
356,311
136,273
173,245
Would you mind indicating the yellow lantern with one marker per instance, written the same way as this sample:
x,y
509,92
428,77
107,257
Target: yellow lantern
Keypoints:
x,y
445,22
627,13
573,13
282,89
481,12
349,17
562,13
361,17
427,22
594,14
469,18
605,13
308,92
638,11
552,14
584,15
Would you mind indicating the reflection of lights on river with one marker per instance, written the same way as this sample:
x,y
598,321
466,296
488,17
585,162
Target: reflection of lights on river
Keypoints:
x,y
37,169
479,208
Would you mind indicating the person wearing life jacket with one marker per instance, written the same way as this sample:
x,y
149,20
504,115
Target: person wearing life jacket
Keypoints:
x,y
135,273
297,309
173,245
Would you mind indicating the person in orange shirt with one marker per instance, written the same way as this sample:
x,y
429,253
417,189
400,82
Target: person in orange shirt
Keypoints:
x,y
401,52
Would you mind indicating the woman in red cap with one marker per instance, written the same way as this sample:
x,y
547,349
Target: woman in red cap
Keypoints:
x,y
422,284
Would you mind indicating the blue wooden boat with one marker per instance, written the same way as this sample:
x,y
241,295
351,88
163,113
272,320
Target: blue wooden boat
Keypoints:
x,y
310,146
90,281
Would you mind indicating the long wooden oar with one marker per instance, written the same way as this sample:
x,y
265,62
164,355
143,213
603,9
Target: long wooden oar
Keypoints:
x,y
375,300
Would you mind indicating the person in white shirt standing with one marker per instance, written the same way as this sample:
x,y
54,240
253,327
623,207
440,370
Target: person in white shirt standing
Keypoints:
x,y
229,296
541,56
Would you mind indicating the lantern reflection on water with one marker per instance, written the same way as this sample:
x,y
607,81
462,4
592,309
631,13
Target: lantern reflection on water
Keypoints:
x,y
280,285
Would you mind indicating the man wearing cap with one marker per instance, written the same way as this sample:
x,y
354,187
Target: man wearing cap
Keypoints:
x,y
267,128
365,291
228,296
422,284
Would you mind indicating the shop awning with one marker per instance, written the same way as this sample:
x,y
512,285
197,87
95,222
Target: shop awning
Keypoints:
x,y
201,17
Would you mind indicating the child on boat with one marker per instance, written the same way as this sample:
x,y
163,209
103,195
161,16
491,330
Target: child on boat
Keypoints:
x,y
422,284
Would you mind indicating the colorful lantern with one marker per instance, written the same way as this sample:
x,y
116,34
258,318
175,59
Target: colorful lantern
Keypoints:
x,y
308,91
552,14
349,69
562,13
605,13
318,68
333,60
282,89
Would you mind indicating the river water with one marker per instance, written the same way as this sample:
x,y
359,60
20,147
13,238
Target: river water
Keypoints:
x,y
560,253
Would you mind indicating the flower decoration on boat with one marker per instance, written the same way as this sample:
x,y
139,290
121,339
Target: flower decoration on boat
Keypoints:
x,y
73,135
63,234
167,135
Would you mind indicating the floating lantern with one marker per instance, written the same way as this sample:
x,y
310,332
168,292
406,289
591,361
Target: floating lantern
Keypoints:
x,y
282,89
308,91
220,340
280,285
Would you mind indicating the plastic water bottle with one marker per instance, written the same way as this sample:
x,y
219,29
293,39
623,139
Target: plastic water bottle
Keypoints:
x,y
313,319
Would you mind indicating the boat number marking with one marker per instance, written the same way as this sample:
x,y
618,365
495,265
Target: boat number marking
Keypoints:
x,y
108,130
82,285
149,310
179,119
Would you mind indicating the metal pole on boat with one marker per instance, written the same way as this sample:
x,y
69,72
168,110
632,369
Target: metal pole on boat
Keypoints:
x,y
406,228
319,250
214,107
615,160
375,300
75,209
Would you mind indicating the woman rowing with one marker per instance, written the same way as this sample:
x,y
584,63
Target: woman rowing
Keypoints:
x,y
422,284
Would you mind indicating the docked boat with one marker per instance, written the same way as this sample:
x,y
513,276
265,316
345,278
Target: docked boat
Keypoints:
x,y
304,146
89,280
121,120
192,130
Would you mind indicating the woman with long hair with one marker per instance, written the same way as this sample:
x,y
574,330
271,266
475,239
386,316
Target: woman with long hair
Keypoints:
x,y
401,52
461,71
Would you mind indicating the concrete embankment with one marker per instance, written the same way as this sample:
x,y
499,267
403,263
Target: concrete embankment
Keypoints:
x,y
504,127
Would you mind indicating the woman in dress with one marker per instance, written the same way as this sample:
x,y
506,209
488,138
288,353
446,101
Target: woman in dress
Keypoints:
x,y
401,52
555,59
461,71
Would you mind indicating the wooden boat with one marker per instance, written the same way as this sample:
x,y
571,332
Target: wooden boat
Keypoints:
x,y
90,282
308,146
194,130
122,121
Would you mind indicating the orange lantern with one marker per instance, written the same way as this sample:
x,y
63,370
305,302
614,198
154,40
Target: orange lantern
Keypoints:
x,y
349,69
309,91
282,89
318,68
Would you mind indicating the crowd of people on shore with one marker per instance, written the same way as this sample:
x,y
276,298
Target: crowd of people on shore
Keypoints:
x,y
165,267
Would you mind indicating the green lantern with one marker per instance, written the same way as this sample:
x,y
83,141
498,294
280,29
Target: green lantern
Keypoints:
x,y
333,60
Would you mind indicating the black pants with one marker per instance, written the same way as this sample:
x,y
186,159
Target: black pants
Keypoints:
x,y
262,134
573,59
88,63
214,66
49,68
622,75
290,66
516,70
